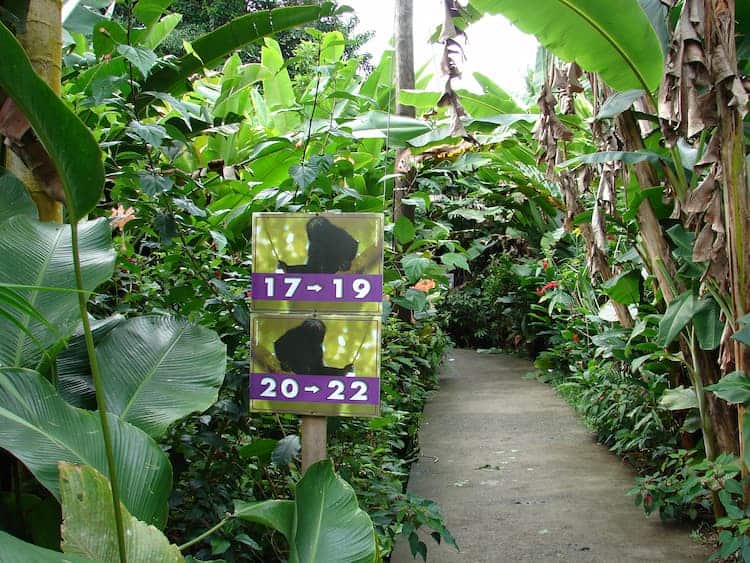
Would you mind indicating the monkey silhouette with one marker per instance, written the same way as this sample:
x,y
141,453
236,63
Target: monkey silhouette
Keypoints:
x,y
330,249
300,350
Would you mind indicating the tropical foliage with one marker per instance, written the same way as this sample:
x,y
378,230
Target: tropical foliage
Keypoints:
x,y
600,231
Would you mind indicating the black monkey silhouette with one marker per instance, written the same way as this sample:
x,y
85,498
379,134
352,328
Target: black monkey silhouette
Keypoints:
x,y
330,249
300,350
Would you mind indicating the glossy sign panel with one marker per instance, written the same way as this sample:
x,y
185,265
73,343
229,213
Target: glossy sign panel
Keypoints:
x,y
325,365
323,262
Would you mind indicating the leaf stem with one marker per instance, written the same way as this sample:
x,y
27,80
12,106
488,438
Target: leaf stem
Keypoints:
x,y
205,534
100,400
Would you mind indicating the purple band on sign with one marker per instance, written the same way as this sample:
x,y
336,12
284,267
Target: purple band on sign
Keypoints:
x,y
289,387
337,288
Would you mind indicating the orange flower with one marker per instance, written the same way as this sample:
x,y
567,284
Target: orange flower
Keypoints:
x,y
424,285
119,216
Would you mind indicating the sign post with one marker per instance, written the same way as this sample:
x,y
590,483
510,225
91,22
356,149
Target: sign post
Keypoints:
x,y
314,440
317,289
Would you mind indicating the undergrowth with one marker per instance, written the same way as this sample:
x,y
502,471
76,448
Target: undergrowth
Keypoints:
x,y
220,453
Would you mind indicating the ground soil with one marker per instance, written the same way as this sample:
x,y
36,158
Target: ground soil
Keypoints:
x,y
520,478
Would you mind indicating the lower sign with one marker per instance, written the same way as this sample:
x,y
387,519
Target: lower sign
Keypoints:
x,y
315,389
326,365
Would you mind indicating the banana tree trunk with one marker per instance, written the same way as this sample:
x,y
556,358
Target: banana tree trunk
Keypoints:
x,y
42,40
731,105
662,266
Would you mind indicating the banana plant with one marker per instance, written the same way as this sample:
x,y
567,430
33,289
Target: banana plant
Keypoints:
x,y
623,47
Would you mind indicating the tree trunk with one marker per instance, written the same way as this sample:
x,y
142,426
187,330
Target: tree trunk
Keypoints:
x,y
660,257
722,64
42,41
404,52
662,266
404,81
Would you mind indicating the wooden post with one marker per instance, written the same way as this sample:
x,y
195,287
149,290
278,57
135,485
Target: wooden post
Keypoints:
x,y
314,440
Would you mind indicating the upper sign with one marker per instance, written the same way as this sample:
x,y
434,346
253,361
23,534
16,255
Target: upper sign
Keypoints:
x,y
328,262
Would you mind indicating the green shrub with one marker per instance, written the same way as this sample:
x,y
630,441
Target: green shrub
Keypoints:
x,y
496,309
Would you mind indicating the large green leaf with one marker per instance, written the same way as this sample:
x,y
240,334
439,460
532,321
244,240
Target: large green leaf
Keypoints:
x,y
209,49
493,101
149,11
159,31
14,198
416,266
276,514
624,288
13,550
82,15
743,335
155,370
41,429
379,125
678,314
422,100
379,85
618,42
404,230
69,143
40,254
89,522
733,388
324,523
74,381
628,157
708,325
679,398
618,103
277,88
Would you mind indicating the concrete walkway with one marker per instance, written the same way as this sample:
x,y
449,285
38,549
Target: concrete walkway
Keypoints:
x,y
520,478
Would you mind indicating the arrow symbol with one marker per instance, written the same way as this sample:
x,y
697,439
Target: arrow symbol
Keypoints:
x,y
312,388
316,288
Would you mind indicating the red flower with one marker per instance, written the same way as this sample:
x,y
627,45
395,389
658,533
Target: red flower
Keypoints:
x,y
576,338
545,264
546,286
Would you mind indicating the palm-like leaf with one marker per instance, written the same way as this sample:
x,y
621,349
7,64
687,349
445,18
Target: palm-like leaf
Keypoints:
x,y
40,254
619,43
155,370
41,429
209,49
